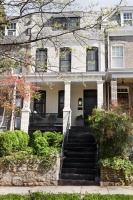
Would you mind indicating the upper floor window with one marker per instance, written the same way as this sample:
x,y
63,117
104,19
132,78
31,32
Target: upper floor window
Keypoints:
x,y
127,17
66,23
117,56
11,29
92,59
41,60
65,59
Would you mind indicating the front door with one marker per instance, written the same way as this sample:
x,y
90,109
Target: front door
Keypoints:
x,y
90,102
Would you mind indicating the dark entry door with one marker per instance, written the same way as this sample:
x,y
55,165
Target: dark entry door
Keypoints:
x,y
90,102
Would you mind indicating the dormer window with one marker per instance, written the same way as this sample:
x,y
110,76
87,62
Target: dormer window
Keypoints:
x,y
11,29
66,23
127,19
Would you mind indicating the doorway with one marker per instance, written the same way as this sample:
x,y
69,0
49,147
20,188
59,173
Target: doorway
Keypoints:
x,y
90,102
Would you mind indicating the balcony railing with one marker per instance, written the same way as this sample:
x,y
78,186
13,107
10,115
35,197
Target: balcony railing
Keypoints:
x,y
46,119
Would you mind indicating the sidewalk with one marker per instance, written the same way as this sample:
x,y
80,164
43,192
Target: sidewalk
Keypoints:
x,y
68,189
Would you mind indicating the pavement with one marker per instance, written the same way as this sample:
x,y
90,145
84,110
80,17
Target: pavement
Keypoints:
x,y
68,189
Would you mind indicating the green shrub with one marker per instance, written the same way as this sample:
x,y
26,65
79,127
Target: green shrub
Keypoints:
x,y
36,134
14,140
39,146
53,138
5,144
113,131
23,139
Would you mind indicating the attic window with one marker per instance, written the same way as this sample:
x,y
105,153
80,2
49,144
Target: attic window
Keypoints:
x,y
12,29
66,23
127,17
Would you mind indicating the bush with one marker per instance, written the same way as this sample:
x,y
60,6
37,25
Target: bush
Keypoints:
x,y
36,134
5,144
23,139
14,140
53,138
39,146
113,131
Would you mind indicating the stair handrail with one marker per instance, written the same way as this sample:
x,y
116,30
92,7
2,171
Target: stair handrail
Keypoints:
x,y
65,138
96,161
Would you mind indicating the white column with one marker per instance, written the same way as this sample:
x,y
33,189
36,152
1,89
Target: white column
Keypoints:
x,y
25,113
99,94
114,92
67,109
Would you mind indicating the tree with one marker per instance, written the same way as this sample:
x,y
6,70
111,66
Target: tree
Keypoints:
x,y
14,88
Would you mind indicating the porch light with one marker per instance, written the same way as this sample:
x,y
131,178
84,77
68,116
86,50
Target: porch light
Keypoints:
x,y
80,102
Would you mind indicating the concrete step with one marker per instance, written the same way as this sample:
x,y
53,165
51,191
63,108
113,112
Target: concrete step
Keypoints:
x,y
71,176
77,182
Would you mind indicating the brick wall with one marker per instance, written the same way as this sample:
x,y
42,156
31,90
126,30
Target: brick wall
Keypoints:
x,y
110,177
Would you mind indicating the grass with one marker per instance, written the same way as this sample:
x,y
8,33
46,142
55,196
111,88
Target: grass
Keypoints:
x,y
65,196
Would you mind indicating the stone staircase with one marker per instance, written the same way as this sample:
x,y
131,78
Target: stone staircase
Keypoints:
x,y
79,164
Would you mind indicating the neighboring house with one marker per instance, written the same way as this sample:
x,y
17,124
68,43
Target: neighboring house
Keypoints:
x,y
119,62
79,70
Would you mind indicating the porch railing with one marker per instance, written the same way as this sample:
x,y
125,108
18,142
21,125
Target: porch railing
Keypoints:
x,y
46,119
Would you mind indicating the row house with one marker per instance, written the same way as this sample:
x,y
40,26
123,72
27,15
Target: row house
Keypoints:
x,y
77,65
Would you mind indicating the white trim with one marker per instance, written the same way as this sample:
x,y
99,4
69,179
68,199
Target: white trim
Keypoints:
x,y
118,45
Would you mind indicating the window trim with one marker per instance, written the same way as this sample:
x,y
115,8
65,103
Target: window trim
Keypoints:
x,y
13,30
117,45
46,52
94,49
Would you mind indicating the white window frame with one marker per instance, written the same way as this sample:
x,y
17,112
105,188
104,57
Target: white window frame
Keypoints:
x,y
118,45
13,29
126,20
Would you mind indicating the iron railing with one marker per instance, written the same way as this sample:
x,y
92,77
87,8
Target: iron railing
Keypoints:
x,y
46,119
65,138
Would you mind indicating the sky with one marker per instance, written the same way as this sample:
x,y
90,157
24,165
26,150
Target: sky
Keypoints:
x,y
103,3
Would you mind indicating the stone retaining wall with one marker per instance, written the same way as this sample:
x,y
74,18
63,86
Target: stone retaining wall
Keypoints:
x,y
26,175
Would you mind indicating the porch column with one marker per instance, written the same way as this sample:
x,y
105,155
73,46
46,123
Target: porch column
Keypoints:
x,y
114,92
99,94
67,109
25,113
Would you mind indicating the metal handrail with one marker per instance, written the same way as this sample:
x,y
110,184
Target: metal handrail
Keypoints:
x,y
65,138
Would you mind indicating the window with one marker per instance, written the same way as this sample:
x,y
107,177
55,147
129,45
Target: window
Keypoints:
x,y
40,105
12,29
66,23
41,60
127,17
65,60
61,103
117,56
123,98
92,59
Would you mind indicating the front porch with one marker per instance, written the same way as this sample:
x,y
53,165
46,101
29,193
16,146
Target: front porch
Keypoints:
x,y
63,100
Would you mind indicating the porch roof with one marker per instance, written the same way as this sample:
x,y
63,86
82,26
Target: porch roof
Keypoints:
x,y
119,73
70,76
